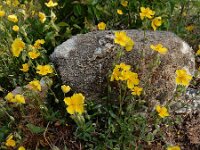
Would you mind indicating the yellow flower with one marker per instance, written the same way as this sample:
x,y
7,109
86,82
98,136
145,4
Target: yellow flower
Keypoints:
x,y
42,17
156,22
44,70
10,97
136,90
51,4
146,12
25,67
13,18
2,13
190,27
21,148
65,88
15,3
17,46
198,51
119,11
8,2
182,77
129,44
35,85
101,26
120,72
38,43
132,80
184,14
159,48
162,111
120,38
15,28
34,54
124,3
20,99
173,148
75,103
10,142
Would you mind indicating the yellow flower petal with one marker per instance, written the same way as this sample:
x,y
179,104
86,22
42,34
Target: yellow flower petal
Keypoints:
x,y
68,101
119,11
71,109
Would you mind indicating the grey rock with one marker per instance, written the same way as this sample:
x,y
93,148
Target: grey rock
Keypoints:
x,y
86,60
190,103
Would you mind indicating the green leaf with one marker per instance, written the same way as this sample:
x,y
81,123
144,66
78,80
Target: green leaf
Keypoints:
x,y
149,137
62,24
77,10
35,129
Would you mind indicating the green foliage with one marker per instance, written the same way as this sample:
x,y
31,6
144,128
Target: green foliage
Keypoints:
x,y
35,129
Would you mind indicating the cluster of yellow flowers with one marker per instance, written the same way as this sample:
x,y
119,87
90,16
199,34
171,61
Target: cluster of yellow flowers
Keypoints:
x,y
41,15
14,3
122,39
12,18
12,143
17,47
182,78
148,13
124,4
102,25
122,72
18,98
33,52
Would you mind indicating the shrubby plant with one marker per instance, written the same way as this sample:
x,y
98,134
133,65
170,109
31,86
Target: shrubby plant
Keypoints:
x,y
30,85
